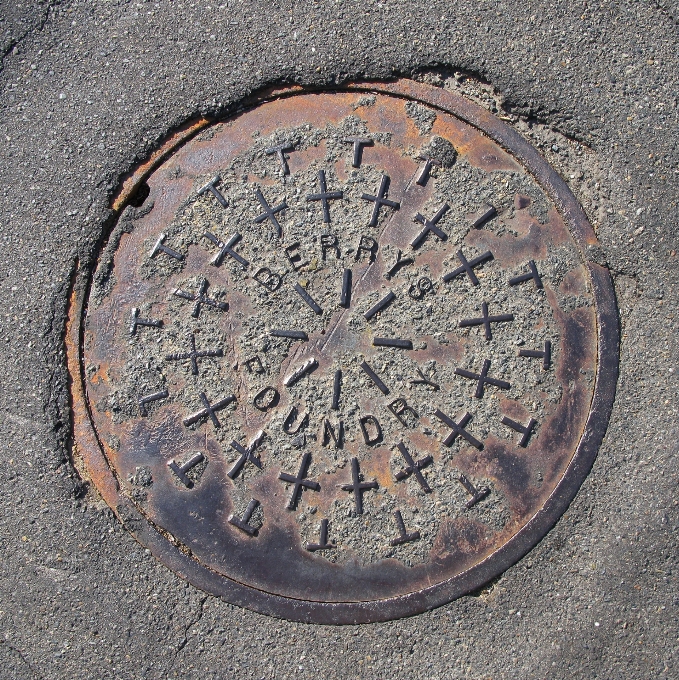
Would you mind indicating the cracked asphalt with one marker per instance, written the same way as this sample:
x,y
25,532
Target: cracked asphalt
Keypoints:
x,y
87,89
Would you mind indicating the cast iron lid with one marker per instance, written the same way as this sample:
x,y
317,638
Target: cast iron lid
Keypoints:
x,y
350,358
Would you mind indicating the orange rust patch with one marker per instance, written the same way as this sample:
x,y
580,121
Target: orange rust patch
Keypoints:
x,y
131,182
574,282
513,409
87,455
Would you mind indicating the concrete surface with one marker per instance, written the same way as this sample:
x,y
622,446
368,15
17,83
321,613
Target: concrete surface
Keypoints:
x,y
88,87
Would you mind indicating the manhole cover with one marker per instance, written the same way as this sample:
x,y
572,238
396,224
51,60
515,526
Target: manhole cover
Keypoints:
x,y
350,358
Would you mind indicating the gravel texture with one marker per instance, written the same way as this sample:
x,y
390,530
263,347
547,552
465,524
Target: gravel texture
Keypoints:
x,y
427,313
88,89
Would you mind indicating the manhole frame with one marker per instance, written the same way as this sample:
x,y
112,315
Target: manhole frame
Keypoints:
x,y
92,465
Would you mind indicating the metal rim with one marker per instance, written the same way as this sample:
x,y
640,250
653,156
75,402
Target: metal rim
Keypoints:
x,y
91,463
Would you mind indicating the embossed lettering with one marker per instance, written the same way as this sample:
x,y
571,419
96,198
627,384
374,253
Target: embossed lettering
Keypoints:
x,y
329,433
329,242
266,399
407,416
371,422
265,277
290,421
293,255
254,365
369,245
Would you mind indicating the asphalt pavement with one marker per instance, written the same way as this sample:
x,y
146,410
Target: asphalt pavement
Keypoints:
x,y
89,88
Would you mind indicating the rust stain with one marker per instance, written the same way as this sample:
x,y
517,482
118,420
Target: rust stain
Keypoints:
x,y
513,409
131,183
87,455
574,283
523,478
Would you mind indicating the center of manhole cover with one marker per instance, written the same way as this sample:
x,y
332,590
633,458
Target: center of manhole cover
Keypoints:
x,y
345,361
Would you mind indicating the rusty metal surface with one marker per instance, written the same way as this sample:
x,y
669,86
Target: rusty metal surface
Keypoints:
x,y
130,184
191,523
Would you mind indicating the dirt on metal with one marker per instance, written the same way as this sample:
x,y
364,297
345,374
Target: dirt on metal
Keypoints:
x,y
270,436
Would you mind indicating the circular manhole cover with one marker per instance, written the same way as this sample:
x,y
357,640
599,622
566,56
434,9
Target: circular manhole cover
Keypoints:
x,y
350,359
